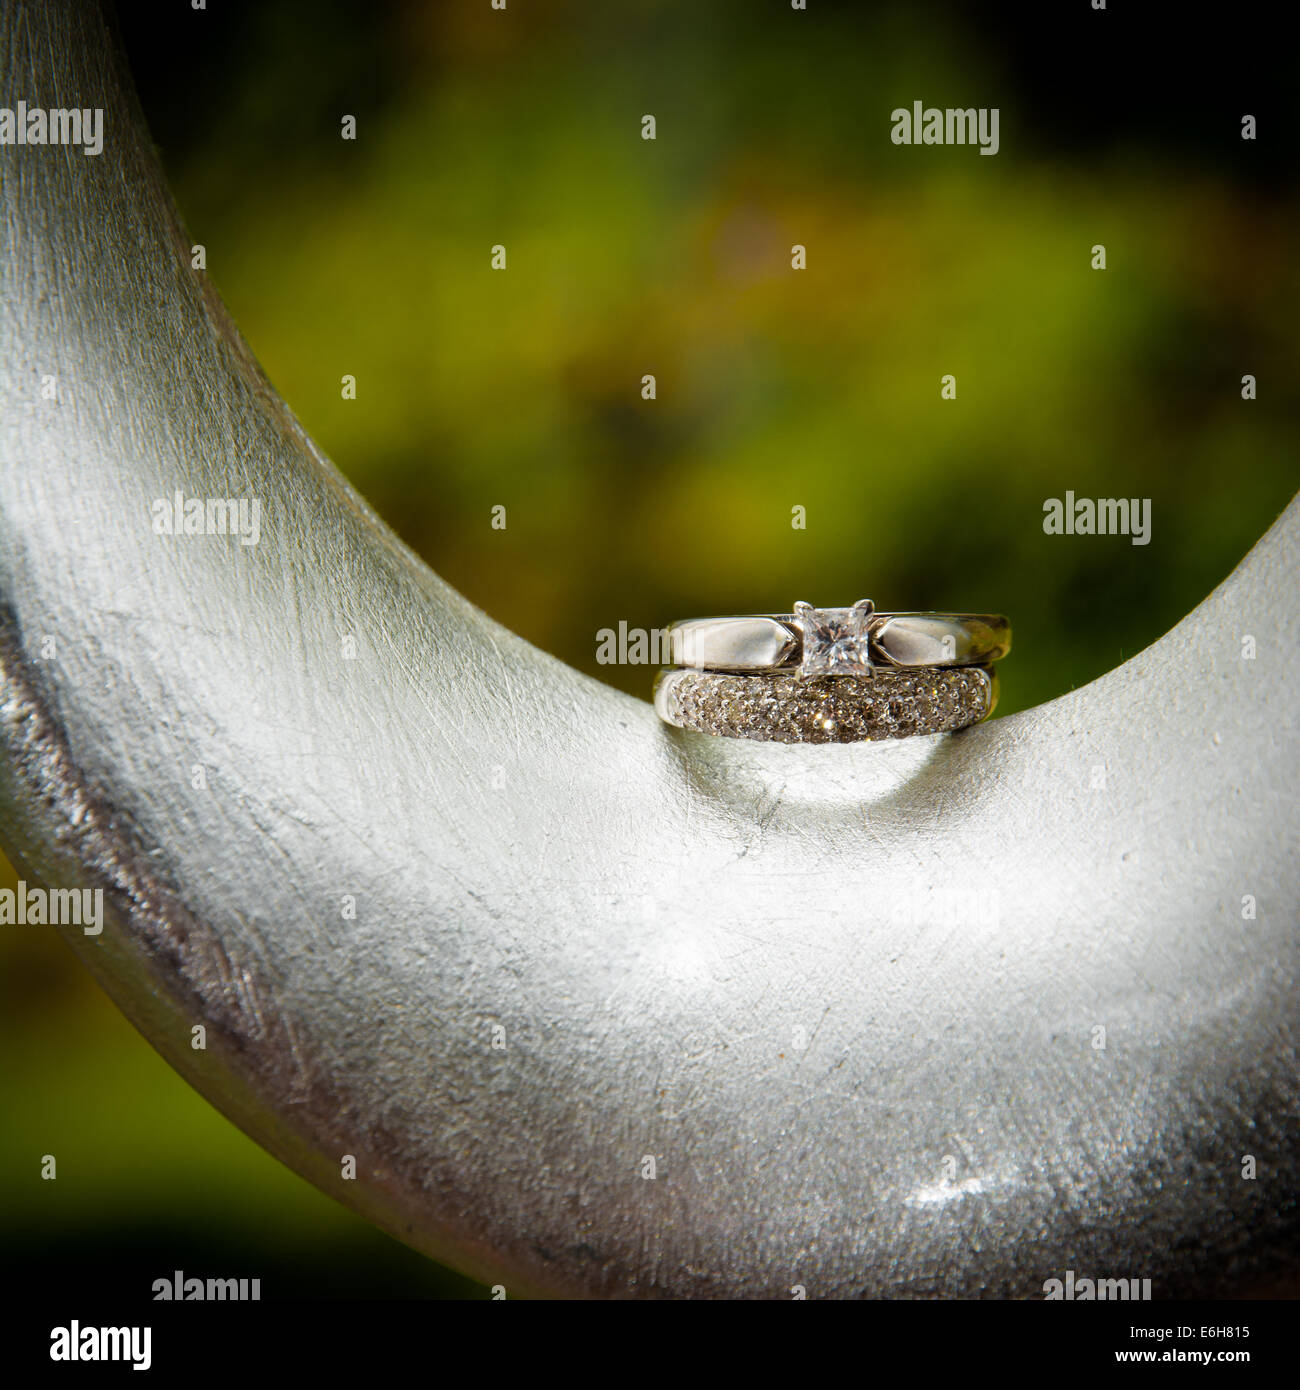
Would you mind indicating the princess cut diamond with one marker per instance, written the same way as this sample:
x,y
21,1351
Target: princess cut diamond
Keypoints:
x,y
836,641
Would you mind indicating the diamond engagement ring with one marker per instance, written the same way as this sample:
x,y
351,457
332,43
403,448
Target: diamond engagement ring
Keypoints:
x,y
832,675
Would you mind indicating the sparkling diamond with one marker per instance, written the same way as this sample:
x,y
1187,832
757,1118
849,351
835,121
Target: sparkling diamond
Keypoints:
x,y
835,640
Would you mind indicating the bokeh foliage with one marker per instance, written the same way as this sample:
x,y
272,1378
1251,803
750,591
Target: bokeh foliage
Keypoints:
x,y
775,387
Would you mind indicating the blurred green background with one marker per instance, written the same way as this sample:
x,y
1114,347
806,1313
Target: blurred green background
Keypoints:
x,y
819,388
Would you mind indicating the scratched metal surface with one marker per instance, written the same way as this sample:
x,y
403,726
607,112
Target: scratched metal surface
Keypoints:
x,y
846,996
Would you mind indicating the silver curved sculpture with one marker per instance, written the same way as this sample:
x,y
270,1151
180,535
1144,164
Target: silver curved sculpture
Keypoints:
x,y
945,1017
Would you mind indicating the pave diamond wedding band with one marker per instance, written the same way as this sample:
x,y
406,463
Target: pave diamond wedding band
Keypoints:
x,y
832,675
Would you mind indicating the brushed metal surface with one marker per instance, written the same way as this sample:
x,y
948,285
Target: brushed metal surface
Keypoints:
x,y
731,644
847,997
934,639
